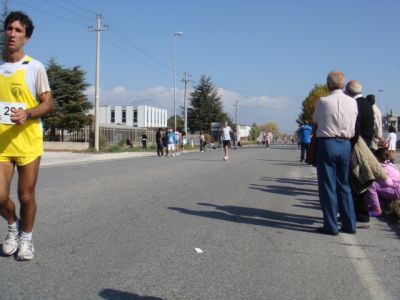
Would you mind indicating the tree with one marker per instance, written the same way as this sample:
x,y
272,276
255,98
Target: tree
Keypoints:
x,y
206,106
70,103
270,127
254,132
3,17
179,122
309,103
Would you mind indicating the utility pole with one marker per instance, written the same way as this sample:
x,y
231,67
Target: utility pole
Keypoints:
x,y
237,103
237,125
185,80
99,27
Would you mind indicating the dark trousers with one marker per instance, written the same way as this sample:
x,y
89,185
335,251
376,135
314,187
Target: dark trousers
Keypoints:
x,y
160,149
361,200
144,144
333,165
361,206
304,150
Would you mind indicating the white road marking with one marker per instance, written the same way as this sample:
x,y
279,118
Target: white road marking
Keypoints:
x,y
364,269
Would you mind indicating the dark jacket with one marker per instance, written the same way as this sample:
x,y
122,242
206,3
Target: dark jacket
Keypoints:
x,y
365,121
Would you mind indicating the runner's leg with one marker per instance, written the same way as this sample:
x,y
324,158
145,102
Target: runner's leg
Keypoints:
x,y
7,207
26,193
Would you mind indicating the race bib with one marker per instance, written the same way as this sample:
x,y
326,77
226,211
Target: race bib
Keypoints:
x,y
6,109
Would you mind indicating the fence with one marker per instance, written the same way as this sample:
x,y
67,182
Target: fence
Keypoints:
x,y
108,136
120,136
61,135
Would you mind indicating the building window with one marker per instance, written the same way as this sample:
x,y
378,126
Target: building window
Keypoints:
x,y
112,116
124,116
135,116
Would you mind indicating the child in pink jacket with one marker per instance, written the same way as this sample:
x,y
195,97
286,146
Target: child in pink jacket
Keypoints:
x,y
384,191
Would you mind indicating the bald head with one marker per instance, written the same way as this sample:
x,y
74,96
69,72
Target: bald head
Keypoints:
x,y
335,80
353,87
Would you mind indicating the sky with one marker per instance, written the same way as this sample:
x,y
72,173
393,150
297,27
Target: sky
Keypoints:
x,y
265,54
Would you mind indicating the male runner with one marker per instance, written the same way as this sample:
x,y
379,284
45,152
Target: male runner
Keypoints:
x,y
24,97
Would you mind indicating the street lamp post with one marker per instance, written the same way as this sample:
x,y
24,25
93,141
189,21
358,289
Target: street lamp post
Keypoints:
x,y
379,98
174,36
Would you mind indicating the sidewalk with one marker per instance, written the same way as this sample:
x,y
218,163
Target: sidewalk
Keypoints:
x,y
50,158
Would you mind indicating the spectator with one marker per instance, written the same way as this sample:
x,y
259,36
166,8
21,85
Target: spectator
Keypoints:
x,y
378,136
335,118
202,141
385,193
365,129
144,140
171,142
392,141
305,139
159,142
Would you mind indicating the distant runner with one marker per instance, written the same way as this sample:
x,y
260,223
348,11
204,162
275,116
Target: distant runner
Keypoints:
x,y
226,139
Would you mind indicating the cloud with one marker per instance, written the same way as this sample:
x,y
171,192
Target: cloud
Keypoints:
x,y
156,96
259,109
229,99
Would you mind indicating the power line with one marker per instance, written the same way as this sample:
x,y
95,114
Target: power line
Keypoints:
x,y
69,9
80,7
50,14
129,54
119,34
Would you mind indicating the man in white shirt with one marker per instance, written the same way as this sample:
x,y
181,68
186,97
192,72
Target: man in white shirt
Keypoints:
x,y
335,118
226,139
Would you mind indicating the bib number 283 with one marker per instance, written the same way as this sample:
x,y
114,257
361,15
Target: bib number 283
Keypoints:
x,y
6,109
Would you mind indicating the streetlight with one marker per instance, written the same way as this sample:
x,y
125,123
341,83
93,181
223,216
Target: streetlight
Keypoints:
x,y
179,33
379,96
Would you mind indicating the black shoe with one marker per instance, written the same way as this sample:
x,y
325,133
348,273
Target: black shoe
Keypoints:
x,y
347,231
324,231
363,225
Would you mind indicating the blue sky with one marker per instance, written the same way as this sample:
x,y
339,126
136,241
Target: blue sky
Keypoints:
x,y
266,54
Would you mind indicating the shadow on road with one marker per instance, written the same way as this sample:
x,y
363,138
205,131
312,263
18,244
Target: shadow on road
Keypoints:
x,y
297,181
309,204
255,216
296,188
115,294
284,190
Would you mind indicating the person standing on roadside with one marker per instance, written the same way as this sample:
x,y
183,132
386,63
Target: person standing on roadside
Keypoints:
x,y
159,142
378,128
171,142
144,140
202,141
392,141
305,139
226,139
335,117
25,96
365,129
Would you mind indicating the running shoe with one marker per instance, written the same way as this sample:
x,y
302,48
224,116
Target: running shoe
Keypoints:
x,y
26,250
10,244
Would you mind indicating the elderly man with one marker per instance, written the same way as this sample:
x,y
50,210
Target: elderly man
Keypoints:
x,y
365,129
335,117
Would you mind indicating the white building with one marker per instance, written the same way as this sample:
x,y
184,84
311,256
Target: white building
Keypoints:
x,y
243,131
142,116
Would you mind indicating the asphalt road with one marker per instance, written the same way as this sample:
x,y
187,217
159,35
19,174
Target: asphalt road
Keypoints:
x,y
130,228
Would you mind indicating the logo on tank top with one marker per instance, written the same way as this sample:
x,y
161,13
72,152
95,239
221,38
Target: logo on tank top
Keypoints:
x,y
16,90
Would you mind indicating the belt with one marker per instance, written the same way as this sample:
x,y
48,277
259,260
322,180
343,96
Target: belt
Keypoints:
x,y
342,138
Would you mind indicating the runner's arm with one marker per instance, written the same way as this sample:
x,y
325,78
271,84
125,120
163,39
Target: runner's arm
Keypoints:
x,y
46,105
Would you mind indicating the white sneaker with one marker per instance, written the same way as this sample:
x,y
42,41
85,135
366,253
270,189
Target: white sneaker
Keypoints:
x,y
26,250
10,244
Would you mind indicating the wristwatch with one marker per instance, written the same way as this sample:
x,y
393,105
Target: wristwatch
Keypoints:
x,y
28,116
